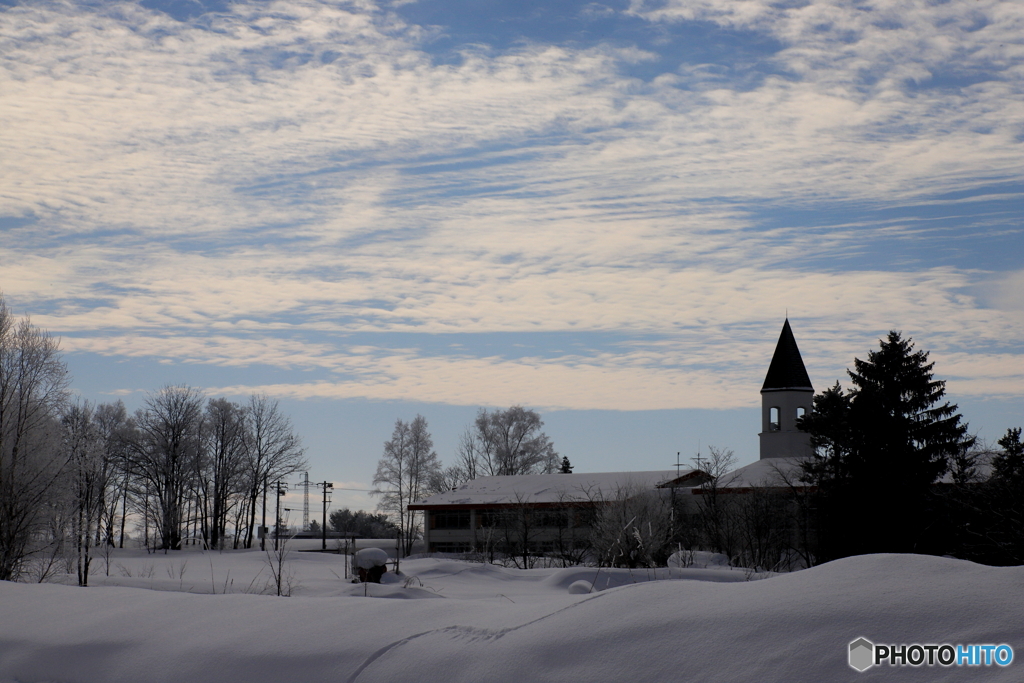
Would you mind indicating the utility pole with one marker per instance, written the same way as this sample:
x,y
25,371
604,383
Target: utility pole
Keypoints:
x,y
327,487
305,501
145,516
672,517
281,489
263,525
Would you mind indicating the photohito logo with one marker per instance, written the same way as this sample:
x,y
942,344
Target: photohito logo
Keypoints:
x,y
863,654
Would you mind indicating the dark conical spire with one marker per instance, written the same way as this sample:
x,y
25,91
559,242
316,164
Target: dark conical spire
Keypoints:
x,y
787,370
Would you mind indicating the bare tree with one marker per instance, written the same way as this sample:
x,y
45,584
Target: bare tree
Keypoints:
x,y
222,471
33,389
633,529
573,542
717,520
519,524
510,442
447,479
403,474
281,574
469,454
766,527
273,451
115,429
164,455
87,471
802,506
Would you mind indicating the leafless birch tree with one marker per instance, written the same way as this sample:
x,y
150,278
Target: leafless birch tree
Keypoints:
x,y
87,480
33,389
403,474
509,442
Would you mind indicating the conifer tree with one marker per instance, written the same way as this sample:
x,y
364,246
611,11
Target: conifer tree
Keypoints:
x,y
1009,464
878,449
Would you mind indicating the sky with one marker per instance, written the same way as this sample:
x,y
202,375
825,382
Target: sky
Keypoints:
x,y
601,211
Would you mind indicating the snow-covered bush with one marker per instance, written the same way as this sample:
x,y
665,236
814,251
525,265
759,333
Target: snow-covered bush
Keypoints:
x,y
368,558
370,564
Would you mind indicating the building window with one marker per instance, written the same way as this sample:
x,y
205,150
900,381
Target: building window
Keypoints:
x,y
800,412
491,519
449,520
773,420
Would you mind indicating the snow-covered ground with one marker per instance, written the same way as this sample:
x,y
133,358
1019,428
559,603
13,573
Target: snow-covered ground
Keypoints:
x,y
154,618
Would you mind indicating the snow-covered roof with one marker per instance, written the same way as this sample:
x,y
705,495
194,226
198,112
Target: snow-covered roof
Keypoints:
x,y
764,472
546,488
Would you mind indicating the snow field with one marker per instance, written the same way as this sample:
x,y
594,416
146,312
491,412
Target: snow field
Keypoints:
x,y
488,623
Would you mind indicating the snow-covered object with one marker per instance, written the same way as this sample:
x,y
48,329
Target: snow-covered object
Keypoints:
x,y
368,558
581,587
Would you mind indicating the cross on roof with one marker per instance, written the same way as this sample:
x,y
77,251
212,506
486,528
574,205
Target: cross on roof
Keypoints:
x,y
697,459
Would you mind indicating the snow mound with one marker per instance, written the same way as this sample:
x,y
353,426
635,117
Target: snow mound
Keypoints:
x,y
614,577
580,587
393,591
393,577
791,627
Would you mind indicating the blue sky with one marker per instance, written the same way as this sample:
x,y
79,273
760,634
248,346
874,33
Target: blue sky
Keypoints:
x,y
600,210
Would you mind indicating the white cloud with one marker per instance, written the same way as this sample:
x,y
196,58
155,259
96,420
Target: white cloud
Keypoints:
x,y
229,191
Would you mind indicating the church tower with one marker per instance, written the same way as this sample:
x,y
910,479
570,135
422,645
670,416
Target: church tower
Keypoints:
x,y
785,396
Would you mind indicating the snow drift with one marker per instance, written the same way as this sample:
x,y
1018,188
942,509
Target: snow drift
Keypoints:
x,y
504,625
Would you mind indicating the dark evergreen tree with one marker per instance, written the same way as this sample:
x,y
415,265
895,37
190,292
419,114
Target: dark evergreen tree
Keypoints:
x,y
900,424
828,471
996,532
566,467
879,447
1009,463
831,436
362,524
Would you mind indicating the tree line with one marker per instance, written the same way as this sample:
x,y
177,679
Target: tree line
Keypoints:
x,y
72,474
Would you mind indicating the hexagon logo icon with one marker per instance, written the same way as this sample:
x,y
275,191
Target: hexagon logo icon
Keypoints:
x,y
862,654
